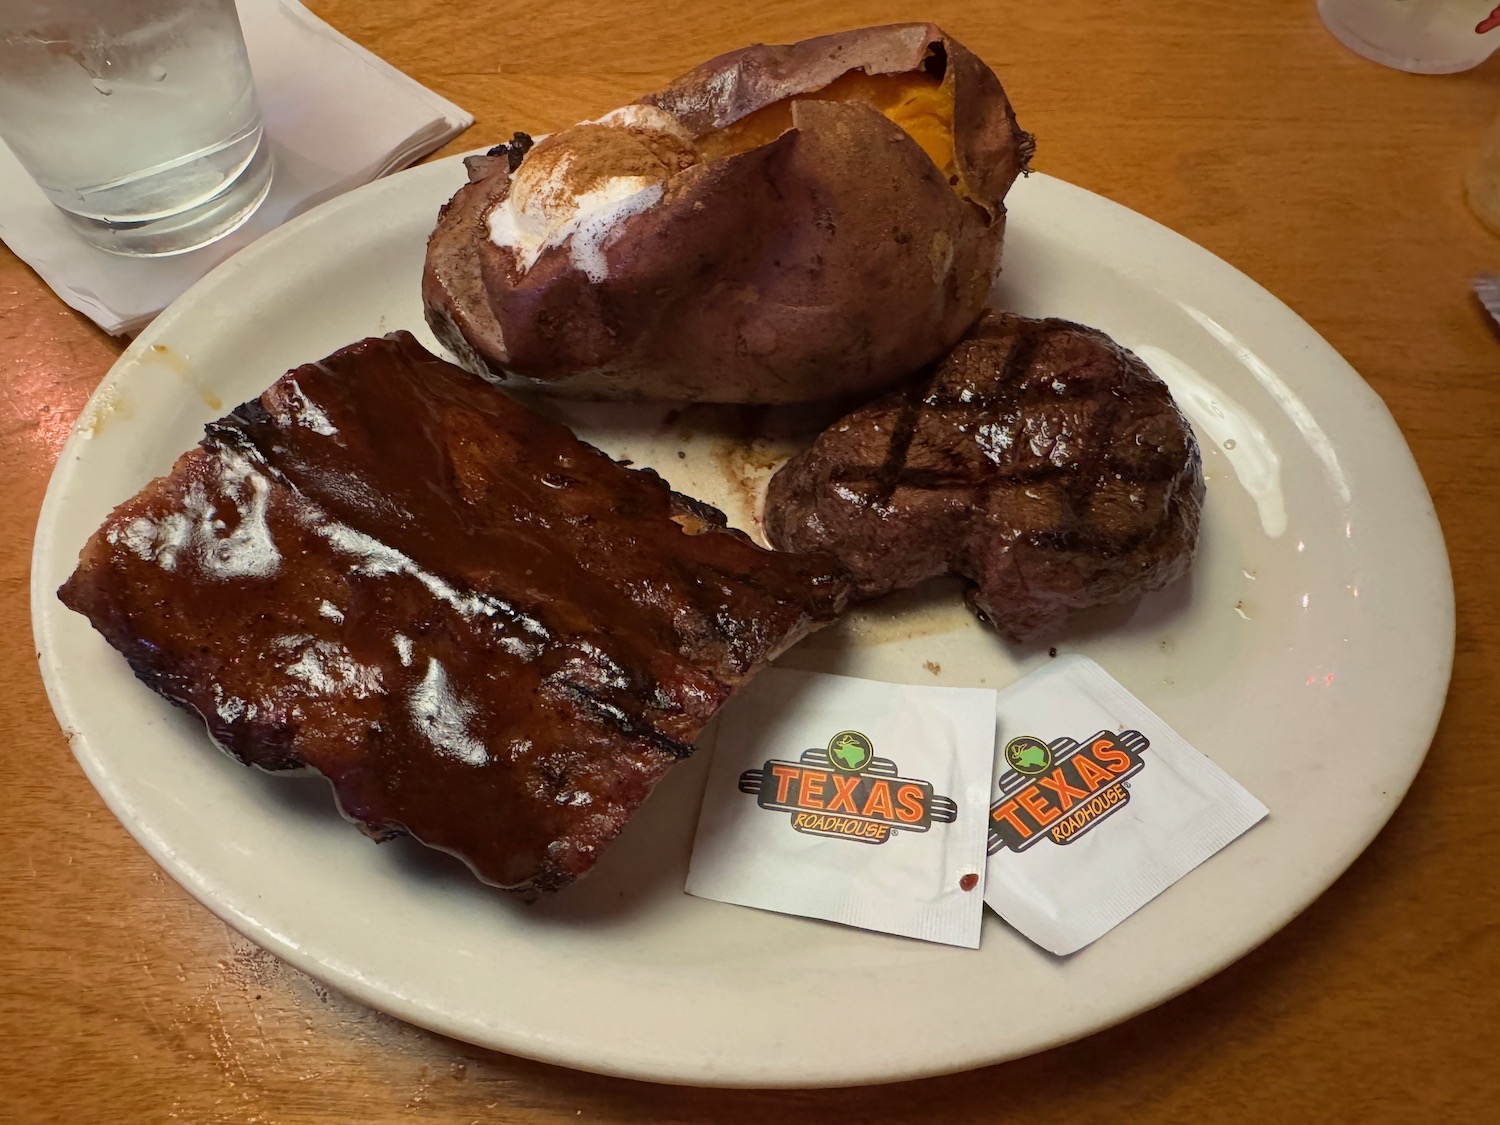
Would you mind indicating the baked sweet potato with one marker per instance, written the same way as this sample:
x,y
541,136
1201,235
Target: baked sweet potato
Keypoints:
x,y
780,224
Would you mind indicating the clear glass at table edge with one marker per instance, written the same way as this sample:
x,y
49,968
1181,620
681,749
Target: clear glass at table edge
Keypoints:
x,y
1419,36
137,118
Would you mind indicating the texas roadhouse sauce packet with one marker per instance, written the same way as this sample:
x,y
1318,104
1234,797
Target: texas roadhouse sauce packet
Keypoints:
x,y
1098,806
853,801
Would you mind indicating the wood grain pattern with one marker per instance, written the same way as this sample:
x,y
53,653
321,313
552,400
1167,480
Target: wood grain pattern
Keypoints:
x,y
1333,182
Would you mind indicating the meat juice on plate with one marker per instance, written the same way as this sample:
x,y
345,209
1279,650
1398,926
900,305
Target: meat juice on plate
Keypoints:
x,y
145,115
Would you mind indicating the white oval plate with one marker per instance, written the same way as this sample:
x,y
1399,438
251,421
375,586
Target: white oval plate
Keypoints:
x,y
1308,654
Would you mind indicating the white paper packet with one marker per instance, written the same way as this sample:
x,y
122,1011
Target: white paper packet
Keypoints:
x,y
1098,806
853,801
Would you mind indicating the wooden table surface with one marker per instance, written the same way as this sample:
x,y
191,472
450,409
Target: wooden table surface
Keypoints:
x,y
1331,181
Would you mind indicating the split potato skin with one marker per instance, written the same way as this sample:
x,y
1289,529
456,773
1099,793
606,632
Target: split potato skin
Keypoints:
x,y
831,259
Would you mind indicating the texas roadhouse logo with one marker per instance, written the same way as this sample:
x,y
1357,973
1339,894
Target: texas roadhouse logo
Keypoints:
x,y
846,792
1061,789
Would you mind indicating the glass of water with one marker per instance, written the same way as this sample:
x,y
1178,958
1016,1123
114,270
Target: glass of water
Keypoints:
x,y
138,118
1419,36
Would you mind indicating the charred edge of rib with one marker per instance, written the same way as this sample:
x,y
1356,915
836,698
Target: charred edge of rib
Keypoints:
x,y
687,505
608,713
238,420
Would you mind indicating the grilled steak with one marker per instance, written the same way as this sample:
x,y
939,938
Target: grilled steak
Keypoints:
x,y
1040,460
484,632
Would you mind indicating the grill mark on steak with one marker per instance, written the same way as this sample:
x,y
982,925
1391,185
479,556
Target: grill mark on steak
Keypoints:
x,y
887,477
484,632
931,480
893,472
1040,460
1017,358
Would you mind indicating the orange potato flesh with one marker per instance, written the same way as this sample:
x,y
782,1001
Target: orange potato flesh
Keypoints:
x,y
916,101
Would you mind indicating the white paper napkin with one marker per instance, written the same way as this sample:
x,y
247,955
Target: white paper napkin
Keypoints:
x,y
336,117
